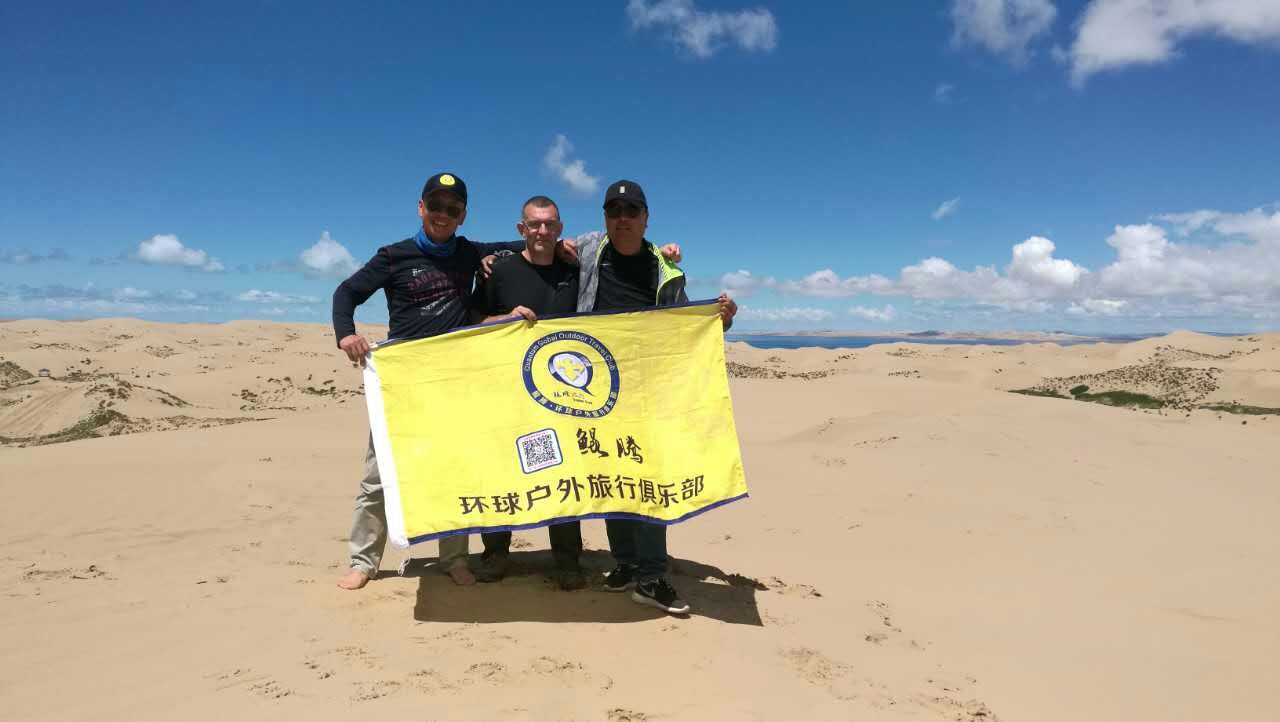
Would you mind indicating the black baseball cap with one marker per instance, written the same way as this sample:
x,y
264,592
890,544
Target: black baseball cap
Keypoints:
x,y
446,182
625,190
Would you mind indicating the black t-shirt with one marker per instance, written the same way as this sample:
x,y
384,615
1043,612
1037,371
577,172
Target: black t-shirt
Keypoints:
x,y
627,282
548,290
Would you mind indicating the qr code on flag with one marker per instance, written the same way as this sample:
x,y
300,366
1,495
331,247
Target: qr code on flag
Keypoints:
x,y
539,450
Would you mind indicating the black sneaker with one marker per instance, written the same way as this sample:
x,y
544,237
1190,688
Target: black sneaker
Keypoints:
x,y
658,593
620,579
571,579
492,569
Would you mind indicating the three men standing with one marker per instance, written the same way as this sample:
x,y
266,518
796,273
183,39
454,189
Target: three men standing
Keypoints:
x,y
427,280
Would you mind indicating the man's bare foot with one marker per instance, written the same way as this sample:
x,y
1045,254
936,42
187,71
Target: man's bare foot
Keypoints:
x,y
461,575
354,579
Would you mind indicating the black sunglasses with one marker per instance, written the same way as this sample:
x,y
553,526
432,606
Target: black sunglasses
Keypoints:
x,y
438,206
620,210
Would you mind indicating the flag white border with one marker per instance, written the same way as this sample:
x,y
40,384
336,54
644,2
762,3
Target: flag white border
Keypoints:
x,y
382,449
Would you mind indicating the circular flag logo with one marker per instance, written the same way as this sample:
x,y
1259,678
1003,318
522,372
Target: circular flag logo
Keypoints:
x,y
571,373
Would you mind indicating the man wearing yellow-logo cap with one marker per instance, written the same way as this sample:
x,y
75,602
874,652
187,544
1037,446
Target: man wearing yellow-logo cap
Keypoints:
x,y
427,280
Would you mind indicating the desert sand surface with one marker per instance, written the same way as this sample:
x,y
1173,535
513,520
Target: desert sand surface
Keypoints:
x,y
920,544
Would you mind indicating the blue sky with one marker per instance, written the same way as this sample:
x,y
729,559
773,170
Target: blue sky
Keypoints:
x,y
1107,165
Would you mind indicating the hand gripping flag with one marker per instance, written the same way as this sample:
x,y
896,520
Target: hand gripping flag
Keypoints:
x,y
517,425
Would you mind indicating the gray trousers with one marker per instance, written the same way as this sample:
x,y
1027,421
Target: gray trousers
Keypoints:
x,y
369,529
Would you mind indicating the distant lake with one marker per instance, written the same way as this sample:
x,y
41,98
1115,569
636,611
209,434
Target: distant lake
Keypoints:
x,y
865,341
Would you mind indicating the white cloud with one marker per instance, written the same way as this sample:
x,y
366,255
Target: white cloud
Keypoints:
x,y
1097,306
942,93
1149,265
23,256
1236,273
253,295
166,250
1032,276
701,33
937,279
874,314
90,300
1003,27
129,293
1187,223
740,284
327,257
790,313
1257,224
828,284
571,173
946,209
1033,263
1118,33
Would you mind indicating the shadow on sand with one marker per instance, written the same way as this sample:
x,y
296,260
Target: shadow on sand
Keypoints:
x,y
528,594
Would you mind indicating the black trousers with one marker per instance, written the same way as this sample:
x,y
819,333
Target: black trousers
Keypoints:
x,y
566,543
640,545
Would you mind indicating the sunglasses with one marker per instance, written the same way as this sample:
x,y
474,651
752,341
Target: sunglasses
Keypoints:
x,y
536,225
435,205
622,210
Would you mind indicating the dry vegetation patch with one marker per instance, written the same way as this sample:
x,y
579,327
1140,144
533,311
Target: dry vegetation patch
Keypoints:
x,y
11,373
744,371
1152,385
109,422
1167,354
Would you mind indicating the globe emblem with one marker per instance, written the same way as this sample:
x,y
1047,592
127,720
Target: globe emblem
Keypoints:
x,y
571,369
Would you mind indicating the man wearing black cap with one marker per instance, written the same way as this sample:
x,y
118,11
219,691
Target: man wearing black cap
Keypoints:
x,y
529,284
624,271
427,280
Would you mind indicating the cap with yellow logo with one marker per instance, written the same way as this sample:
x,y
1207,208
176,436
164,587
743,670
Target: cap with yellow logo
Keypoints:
x,y
445,182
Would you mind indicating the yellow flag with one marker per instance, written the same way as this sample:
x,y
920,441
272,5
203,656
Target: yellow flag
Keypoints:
x,y
517,425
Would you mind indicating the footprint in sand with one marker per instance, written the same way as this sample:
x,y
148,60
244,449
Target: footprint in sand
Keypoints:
x,y
431,681
882,610
625,715
369,691
259,684
877,442
320,672
953,709
43,575
792,590
889,632
839,679
270,689
566,673
836,677
486,673
235,677
346,656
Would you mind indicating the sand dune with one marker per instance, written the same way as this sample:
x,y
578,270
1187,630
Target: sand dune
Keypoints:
x,y
920,544
158,376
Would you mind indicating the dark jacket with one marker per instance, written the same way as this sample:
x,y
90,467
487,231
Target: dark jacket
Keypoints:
x,y
426,295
